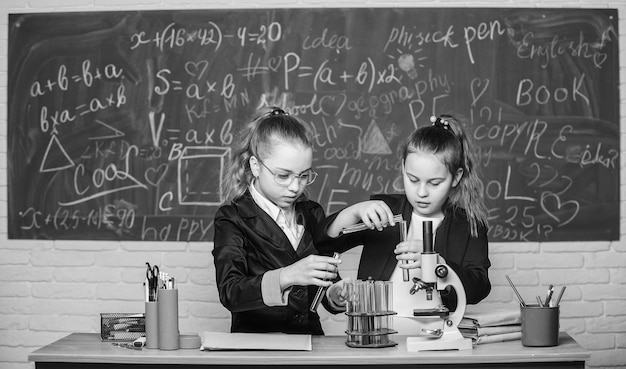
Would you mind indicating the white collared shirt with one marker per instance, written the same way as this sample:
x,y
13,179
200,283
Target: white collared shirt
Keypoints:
x,y
292,230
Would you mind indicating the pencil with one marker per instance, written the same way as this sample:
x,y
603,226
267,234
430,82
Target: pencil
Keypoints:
x,y
519,297
539,301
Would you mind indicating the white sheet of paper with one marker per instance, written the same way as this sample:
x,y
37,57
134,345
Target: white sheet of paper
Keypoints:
x,y
255,341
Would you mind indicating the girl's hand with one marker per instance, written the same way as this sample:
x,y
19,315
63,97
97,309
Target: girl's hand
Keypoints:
x,y
312,270
375,214
337,293
410,252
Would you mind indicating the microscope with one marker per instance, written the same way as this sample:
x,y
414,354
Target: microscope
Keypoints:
x,y
440,330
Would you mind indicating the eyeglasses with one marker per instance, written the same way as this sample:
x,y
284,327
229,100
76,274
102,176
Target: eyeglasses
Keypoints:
x,y
285,179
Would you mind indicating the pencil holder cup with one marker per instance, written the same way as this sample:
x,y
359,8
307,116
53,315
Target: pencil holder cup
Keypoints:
x,y
540,325
152,319
167,306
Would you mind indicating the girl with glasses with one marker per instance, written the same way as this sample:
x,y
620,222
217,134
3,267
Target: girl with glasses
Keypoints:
x,y
266,269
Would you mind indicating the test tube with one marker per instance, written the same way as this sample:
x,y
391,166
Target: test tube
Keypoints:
x,y
371,295
357,302
350,297
320,292
362,227
379,297
350,306
389,295
389,298
381,303
403,234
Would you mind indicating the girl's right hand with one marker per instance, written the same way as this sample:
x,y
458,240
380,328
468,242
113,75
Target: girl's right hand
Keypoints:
x,y
409,253
374,214
312,270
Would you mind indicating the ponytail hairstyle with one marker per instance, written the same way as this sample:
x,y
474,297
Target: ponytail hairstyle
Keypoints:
x,y
446,139
268,127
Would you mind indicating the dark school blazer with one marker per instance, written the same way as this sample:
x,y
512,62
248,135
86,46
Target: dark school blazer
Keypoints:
x,y
468,256
248,243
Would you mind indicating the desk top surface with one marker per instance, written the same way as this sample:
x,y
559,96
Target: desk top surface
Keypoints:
x,y
87,347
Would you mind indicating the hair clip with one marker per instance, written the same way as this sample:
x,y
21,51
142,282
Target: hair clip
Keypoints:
x,y
277,111
440,122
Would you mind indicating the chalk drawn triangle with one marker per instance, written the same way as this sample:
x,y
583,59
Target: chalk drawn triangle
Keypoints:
x,y
116,132
374,142
55,148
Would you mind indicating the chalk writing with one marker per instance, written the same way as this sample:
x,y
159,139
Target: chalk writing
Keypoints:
x,y
121,126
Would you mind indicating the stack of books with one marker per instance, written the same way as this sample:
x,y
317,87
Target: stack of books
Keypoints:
x,y
491,326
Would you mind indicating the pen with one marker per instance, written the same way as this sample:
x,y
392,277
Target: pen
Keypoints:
x,y
558,299
320,292
539,301
519,297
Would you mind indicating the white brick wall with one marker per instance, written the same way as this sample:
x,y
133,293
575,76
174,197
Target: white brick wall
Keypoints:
x,y
51,288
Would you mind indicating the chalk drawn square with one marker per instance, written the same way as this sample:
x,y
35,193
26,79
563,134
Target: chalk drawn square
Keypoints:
x,y
200,173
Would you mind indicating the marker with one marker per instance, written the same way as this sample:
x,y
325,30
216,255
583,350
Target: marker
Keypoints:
x,y
549,296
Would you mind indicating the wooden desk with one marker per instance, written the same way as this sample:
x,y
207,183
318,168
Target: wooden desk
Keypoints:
x,y
85,350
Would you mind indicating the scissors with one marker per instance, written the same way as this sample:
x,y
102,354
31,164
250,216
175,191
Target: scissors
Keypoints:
x,y
152,275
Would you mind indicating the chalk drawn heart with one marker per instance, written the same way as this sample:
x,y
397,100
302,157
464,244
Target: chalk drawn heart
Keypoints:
x,y
274,63
549,199
156,175
333,104
196,69
480,86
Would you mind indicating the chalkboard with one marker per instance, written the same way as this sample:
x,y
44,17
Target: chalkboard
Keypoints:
x,y
120,123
